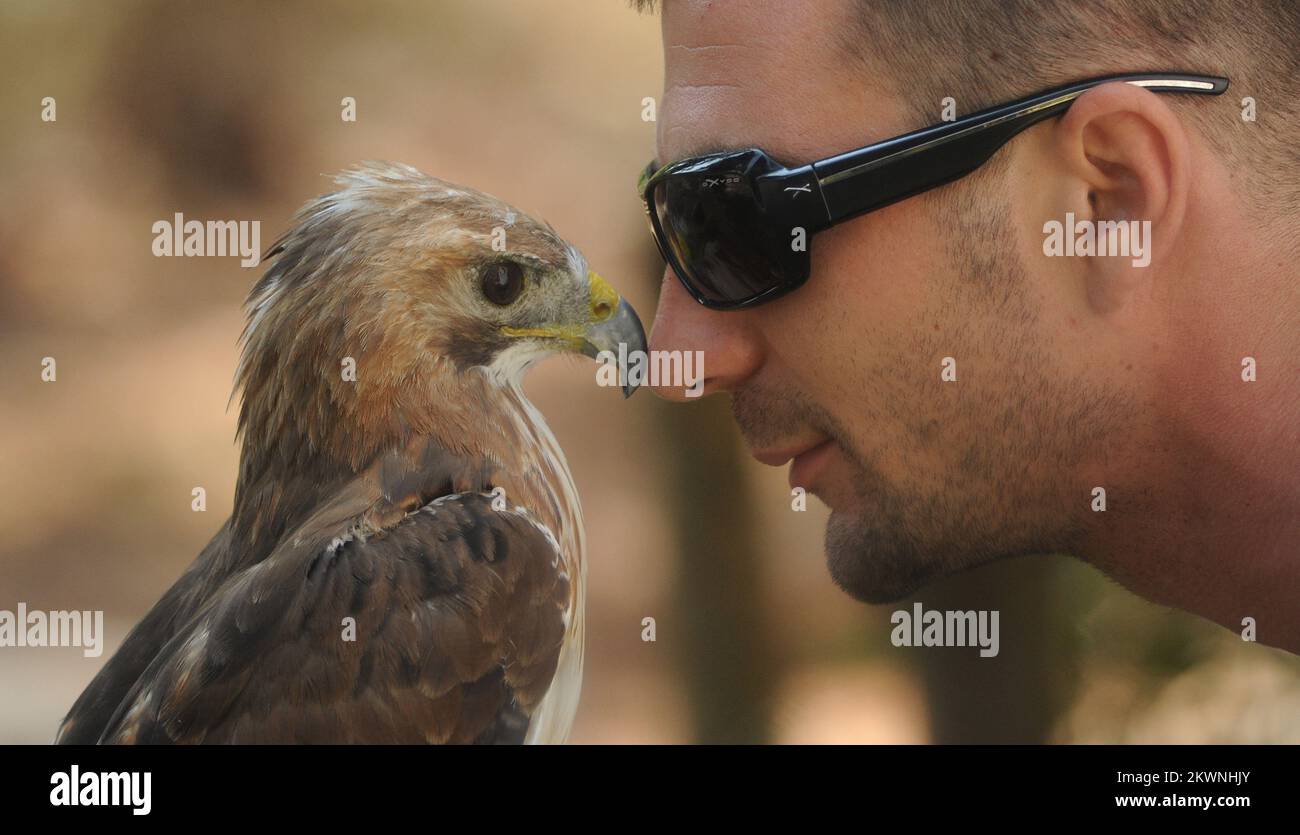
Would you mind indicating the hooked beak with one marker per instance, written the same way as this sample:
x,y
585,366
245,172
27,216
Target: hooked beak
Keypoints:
x,y
612,323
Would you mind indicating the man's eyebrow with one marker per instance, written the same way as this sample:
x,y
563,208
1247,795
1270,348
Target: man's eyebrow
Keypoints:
x,y
776,153
701,151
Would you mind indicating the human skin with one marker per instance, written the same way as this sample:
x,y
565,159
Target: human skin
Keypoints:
x,y
1072,372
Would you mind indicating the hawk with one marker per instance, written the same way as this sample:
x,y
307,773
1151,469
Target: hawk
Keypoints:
x,y
404,562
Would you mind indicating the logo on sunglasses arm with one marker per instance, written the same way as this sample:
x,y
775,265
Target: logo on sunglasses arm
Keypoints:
x,y
804,189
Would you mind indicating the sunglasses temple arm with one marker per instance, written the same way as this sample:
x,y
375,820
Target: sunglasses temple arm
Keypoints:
x,y
908,172
879,175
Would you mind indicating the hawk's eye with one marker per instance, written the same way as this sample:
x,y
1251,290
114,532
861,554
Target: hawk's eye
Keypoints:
x,y
503,282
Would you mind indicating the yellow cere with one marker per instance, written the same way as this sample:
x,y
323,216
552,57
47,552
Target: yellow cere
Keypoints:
x,y
604,299
602,304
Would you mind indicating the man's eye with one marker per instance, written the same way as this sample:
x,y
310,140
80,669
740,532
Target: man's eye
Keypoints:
x,y
503,282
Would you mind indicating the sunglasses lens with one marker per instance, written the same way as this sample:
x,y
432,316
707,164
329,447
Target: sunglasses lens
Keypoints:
x,y
723,245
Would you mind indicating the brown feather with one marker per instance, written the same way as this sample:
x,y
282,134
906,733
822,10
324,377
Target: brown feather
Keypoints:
x,y
461,610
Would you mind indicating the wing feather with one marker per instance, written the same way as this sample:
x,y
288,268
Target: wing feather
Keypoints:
x,y
459,615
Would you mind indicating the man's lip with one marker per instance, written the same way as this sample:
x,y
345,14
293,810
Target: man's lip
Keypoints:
x,y
810,463
778,456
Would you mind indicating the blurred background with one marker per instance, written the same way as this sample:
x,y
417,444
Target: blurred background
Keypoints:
x,y
231,110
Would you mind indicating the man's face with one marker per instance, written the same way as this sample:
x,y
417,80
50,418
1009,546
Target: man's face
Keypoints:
x,y
923,476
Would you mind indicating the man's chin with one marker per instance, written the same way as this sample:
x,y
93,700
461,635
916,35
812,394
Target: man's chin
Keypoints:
x,y
869,565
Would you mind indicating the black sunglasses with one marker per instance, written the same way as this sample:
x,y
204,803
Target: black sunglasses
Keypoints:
x,y
728,223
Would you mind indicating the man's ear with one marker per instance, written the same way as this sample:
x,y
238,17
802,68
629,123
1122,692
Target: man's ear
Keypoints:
x,y
1128,152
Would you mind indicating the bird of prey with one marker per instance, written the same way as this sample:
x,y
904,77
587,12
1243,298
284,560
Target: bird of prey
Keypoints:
x,y
404,562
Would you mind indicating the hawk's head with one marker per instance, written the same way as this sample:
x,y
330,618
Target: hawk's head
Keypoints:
x,y
394,298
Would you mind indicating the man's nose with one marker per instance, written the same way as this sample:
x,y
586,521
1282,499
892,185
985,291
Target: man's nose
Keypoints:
x,y
729,342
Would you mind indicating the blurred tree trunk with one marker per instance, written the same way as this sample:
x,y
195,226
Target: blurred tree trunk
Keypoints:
x,y
728,665
1016,696
729,668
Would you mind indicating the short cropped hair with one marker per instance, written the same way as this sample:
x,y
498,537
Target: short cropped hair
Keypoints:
x,y
983,52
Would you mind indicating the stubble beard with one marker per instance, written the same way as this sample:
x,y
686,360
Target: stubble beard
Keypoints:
x,y
1003,495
